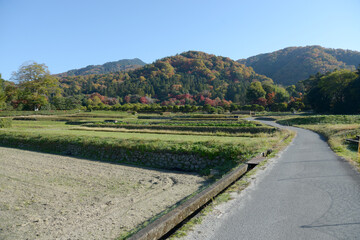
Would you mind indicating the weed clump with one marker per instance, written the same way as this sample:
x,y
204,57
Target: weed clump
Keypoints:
x,y
5,122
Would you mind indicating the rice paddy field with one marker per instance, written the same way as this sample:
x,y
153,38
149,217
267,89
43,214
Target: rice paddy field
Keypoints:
x,y
105,175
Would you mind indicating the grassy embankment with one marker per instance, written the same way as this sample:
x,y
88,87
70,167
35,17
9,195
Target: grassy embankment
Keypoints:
x,y
335,128
233,141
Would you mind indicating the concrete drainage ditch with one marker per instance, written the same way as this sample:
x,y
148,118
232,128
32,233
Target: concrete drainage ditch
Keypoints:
x,y
170,222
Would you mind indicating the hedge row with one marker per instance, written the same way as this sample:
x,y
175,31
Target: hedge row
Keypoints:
x,y
212,129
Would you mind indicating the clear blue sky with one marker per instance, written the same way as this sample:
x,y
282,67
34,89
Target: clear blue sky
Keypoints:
x,y
68,34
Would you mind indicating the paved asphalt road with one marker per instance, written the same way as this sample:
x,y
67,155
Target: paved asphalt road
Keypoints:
x,y
307,193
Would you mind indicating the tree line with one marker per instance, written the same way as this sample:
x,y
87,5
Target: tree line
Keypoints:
x,y
334,92
35,88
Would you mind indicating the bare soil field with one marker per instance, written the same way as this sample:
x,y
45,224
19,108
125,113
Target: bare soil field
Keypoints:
x,y
45,196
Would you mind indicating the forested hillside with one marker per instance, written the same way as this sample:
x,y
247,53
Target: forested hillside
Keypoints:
x,y
194,80
334,92
109,67
187,77
290,65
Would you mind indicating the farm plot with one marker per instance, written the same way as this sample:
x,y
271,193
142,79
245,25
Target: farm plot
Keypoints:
x,y
199,149
45,196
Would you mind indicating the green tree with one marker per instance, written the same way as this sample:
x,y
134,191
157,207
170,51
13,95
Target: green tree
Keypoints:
x,y
255,91
59,103
292,91
2,93
281,95
268,86
334,92
36,84
334,86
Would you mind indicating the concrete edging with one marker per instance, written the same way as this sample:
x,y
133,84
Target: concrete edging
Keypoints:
x,y
164,224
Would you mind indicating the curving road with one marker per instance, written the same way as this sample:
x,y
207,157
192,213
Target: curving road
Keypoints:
x,y
306,193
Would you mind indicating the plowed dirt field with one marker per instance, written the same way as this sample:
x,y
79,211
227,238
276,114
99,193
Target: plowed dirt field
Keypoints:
x,y
45,196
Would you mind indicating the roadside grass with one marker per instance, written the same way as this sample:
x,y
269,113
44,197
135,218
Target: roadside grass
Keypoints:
x,y
335,128
336,136
236,188
320,119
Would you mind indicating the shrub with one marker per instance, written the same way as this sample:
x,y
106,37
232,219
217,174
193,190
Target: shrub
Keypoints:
x,y
5,122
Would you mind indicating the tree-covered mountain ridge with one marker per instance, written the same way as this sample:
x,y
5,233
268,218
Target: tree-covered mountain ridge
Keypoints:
x,y
109,67
198,74
290,65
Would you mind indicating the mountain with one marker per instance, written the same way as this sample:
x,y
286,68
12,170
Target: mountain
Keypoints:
x,y
195,73
109,67
292,64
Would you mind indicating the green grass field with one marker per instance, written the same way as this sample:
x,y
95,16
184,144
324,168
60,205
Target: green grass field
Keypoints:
x,y
60,128
58,134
